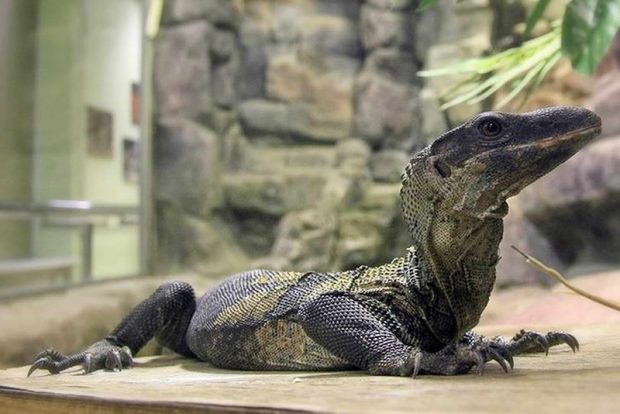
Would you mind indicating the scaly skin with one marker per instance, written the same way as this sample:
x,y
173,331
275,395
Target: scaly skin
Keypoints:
x,y
408,317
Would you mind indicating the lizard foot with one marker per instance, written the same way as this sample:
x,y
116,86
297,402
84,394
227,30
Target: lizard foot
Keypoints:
x,y
100,355
530,342
458,359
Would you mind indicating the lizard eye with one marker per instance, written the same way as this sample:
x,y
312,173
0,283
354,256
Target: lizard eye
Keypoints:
x,y
490,128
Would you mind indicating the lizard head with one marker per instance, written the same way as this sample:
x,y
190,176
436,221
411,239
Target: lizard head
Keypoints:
x,y
454,194
472,169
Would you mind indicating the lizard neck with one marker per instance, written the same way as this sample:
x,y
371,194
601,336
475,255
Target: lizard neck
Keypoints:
x,y
458,251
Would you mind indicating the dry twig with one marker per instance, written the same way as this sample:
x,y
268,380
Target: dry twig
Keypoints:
x,y
557,276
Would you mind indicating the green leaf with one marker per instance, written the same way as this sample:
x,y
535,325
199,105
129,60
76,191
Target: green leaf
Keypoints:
x,y
537,13
425,4
588,29
519,67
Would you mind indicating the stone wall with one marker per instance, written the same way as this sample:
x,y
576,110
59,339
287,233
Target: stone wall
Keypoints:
x,y
282,128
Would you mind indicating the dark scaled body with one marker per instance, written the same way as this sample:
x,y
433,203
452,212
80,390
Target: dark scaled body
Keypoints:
x,y
411,316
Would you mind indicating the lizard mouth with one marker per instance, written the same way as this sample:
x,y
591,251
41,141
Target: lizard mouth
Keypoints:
x,y
585,134
578,138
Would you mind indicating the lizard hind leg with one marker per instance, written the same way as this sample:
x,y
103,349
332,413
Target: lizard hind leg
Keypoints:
x,y
164,315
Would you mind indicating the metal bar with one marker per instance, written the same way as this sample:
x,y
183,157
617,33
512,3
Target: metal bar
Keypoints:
x,y
148,244
67,206
87,251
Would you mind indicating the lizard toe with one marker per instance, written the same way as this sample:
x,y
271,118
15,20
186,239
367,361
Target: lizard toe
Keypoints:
x,y
560,337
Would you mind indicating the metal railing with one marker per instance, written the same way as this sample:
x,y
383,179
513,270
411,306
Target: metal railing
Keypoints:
x,y
75,214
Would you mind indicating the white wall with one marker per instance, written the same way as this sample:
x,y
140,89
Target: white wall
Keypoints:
x,y
89,55
17,57
112,56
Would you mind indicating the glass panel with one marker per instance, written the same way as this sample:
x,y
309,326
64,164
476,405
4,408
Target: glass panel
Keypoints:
x,y
69,108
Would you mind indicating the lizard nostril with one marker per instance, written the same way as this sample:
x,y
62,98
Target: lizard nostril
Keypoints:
x,y
442,168
546,123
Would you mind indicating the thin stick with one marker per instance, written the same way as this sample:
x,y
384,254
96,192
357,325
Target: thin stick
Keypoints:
x,y
557,276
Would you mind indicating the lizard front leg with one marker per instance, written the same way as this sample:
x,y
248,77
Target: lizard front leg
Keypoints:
x,y
165,315
365,338
523,342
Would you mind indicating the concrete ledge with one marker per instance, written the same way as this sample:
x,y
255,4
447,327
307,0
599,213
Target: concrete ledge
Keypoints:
x,y
587,381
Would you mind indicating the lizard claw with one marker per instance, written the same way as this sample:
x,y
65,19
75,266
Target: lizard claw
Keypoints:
x,y
417,365
480,362
457,359
101,355
558,337
496,356
43,363
528,342
113,361
126,357
50,353
87,363
505,353
542,341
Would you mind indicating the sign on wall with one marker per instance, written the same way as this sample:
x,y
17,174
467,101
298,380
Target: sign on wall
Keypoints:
x,y
100,133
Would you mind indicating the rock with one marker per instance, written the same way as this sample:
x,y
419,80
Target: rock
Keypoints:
x,y
290,121
386,112
387,166
611,61
434,26
506,15
276,160
220,119
328,96
187,166
176,11
255,232
224,85
385,28
360,238
347,9
259,116
222,45
182,239
392,4
353,155
606,101
285,24
253,66
273,194
186,241
433,120
324,34
318,123
340,191
219,12
235,148
577,205
384,198
592,174
512,269
373,232
443,55
393,64
306,240
474,18
182,71
259,14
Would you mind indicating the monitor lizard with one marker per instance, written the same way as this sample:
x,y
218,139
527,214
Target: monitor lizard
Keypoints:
x,y
411,316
